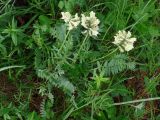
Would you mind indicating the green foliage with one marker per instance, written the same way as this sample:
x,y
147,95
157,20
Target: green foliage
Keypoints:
x,y
83,77
118,64
45,110
71,5
56,80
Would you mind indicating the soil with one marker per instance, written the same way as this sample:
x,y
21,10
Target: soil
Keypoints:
x,y
25,18
138,85
20,3
35,102
60,103
7,89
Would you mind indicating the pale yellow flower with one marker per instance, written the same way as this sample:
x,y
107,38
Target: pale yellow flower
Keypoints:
x,y
90,23
66,16
124,41
72,22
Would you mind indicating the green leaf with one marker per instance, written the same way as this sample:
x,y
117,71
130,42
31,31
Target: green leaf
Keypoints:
x,y
118,64
3,50
33,116
139,110
61,4
69,5
14,32
154,31
120,90
44,20
60,31
66,85
57,81
14,38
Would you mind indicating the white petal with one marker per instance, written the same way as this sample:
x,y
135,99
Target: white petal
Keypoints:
x,y
83,21
129,47
94,33
70,27
92,14
76,17
75,21
66,16
90,23
117,39
128,34
124,41
133,39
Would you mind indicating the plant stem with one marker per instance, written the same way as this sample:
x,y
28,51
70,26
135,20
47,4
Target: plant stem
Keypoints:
x,y
104,56
81,47
64,40
137,101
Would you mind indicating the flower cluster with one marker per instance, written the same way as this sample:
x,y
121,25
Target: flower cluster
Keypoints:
x,y
124,41
90,23
71,21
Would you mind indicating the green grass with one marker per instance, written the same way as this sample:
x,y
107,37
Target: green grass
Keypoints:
x,y
50,73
